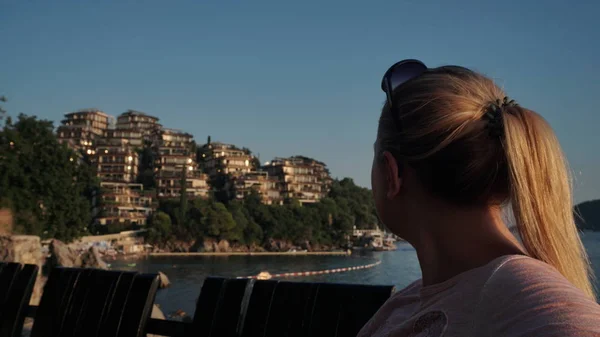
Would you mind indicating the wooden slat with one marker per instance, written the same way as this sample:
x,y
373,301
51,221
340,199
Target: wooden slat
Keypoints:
x,y
230,308
8,275
362,305
259,306
55,302
274,308
77,305
163,327
206,306
291,309
103,283
324,320
139,305
335,311
17,302
91,302
116,307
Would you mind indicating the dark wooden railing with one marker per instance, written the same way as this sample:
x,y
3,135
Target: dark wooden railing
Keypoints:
x,y
155,326
87,302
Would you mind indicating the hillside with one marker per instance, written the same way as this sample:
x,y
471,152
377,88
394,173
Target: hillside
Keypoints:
x,y
589,215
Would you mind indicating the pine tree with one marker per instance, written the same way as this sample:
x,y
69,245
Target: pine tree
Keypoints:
x,y
183,202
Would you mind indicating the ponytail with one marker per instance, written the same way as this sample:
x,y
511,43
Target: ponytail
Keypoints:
x,y
541,196
510,153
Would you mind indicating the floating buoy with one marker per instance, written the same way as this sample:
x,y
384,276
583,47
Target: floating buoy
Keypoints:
x,y
263,275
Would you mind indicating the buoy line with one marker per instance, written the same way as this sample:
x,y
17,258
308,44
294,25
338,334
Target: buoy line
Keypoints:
x,y
266,275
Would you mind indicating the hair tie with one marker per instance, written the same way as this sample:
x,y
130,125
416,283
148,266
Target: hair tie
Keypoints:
x,y
494,115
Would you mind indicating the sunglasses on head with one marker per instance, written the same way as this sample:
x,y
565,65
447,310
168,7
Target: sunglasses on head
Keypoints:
x,y
398,74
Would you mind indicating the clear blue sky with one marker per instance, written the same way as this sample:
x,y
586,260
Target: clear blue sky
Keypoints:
x,y
301,77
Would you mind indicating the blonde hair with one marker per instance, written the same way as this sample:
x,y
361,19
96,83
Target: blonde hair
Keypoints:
x,y
438,127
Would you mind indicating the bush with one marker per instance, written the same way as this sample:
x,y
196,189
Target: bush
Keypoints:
x,y
249,221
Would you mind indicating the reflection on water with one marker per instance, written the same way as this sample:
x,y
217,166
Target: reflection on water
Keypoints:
x,y
399,268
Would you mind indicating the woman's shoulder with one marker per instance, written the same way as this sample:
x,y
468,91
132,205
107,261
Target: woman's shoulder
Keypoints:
x,y
525,296
398,308
526,275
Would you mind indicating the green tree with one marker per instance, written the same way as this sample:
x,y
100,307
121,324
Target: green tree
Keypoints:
x,y
355,201
183,197
48,185
251,222
260,213
146,167
202,154
219,223
246,228
159,228
255,163
3,99
222,186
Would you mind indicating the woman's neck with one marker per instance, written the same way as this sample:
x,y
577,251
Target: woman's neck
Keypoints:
x,y
451,241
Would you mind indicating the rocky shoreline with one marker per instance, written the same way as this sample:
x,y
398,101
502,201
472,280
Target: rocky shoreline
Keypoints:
x,y
293,252
27,249
224,246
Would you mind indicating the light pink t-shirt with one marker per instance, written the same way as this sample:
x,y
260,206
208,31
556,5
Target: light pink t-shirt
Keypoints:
x,y
510,296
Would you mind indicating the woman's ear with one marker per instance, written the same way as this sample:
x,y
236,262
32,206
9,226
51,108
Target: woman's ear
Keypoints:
x,y
392,175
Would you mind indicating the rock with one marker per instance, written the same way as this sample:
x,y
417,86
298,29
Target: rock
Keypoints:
x,y
223,246
62,255
156,314
21,248
178,246
27,326
164,280
273,245
306,246
24,249
92,259
321,248
278,245
256,248
179,313
6,221
180,316
208,246
38,289
236,247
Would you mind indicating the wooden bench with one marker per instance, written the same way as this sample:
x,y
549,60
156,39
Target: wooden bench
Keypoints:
x,y
89,302
248,308
16,285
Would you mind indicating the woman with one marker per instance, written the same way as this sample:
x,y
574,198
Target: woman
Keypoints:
x,y
451,150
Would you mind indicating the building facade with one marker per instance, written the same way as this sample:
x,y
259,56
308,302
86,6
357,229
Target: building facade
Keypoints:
x,y
116,160
227,159
124,203
300,178
131,137
81,129
140,122
268,187
176,160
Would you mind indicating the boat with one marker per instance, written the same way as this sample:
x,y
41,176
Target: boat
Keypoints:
x,y
384,248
